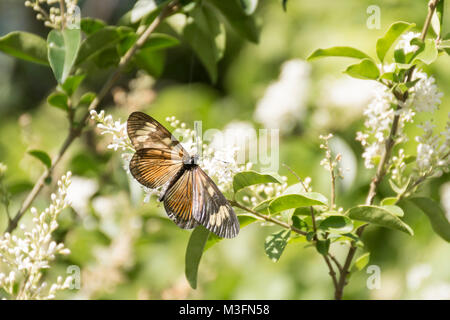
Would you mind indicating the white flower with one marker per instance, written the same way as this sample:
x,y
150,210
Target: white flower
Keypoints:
x,y
404,42
117,129
53,16
284,101
425,95
79,193
35,250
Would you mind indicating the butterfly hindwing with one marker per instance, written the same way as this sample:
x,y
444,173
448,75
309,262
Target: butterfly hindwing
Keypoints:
x,y
146,132
178,200
211,208
154,168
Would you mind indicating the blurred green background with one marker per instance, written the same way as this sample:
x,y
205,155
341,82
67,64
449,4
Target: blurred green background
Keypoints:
x,y
127,249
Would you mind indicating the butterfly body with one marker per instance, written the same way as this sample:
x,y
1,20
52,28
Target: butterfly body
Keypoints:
x,y
189,195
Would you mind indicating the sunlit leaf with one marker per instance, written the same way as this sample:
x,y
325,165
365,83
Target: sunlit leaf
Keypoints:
x,y
249,178
42,156
25,46
366,69
380,216
347,52
387,41
435,214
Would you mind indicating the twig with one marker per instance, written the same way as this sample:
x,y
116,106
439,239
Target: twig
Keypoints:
x,y
267,218
76,131
381,169
63,14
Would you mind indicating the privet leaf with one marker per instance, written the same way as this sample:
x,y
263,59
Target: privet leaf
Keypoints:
x,y
276,243
71,84
387,41
25,46
143,8
42,156
336,223
292,201
435,214
380,216
58,100
194,253
63,46
366,69
248,178
348,52
362,261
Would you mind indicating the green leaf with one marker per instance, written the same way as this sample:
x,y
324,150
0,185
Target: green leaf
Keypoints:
x,y
435,214
42,156
194,253
437,19
380,216
243,24
204,33
389,201
362,261
336,224
429,53
91,25
100,41
143,8
276,243
299,223
396,210
63,48
399,56
25,46
323,246
387,41
366,69
72,83
292,201
348,52
158,41
249,6
58,100
244,220
151,61
87,98
248,178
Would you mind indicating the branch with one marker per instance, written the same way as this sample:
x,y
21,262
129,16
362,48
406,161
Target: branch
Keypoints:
x,y
267,218
76,131
381,169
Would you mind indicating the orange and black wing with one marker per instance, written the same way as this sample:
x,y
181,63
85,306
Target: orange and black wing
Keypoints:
x,y
211,209
154,168
178,201
146,132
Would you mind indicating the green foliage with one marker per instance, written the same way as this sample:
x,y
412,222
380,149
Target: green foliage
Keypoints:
x,y
435,214
276,243
336,223
91,25
250,178
41,156
292,201
347,52
143,8
387,41
362,261
366,69
59,100
194,252
382,216
63,46
25,46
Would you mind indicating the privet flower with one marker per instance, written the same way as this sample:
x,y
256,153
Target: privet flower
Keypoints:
x,y
53,17
26,256
284,101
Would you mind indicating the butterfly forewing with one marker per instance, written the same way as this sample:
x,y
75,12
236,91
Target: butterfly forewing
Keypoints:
x,y
146,132
154,168
178,200
211,208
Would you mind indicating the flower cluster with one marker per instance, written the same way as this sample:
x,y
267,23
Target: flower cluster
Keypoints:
x,y
26,256
284,102
116,129
58,13
433,151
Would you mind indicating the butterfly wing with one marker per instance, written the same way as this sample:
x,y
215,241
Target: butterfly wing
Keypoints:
x,y
146,132
154,168
211,209
178,201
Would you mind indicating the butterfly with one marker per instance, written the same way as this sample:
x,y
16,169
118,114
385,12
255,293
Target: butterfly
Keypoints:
x,y
190,196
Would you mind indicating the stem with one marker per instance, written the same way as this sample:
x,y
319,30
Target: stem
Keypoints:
x,y
63,14
75,132
267,218
381,169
